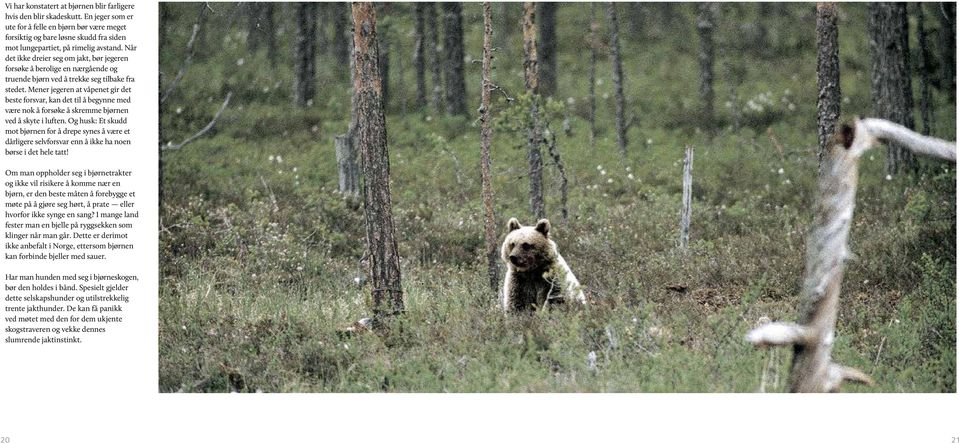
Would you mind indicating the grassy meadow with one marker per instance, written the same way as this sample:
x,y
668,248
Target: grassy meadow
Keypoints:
x,y
260,256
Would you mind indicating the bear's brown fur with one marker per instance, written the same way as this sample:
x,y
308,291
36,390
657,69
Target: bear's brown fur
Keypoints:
x,y
536,273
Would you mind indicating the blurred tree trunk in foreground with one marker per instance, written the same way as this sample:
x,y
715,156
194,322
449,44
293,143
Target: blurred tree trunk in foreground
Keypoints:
x,y
827,75
304,57
617,78
547,48
486,135
891,80
370,138
533,133
453,46
827,252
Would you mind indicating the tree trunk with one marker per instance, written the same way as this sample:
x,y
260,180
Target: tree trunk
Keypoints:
x,y
764,14
826,254
304,87
453,46
164,12
593,42
635,16
891,80
433,57
324,26
533,133
346,165
486,135
668,13
547,48
563,179
947,46
687,211
384,52
269,31
419,51
924,56
617,78
254,26
371,140
827,75
203,49
164,18
342,34
705,24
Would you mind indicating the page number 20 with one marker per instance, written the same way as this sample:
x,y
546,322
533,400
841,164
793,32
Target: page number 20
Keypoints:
x,y
4,440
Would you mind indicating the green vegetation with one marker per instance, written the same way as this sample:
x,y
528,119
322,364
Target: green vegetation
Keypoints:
x,y
261,258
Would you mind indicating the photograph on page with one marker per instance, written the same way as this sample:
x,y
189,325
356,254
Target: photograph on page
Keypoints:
x,y
557,197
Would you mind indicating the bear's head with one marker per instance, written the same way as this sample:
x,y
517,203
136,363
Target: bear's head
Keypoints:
x,y
528,248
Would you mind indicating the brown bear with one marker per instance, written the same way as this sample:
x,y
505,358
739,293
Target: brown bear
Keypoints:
x,y
536,274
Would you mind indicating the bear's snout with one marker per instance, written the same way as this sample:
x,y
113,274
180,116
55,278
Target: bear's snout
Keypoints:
x,y
514,259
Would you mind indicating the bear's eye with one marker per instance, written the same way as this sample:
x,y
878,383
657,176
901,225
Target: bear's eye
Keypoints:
x,y
526,246
512,245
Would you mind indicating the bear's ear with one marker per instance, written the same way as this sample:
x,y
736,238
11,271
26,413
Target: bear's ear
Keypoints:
x,y
513,224
543,226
